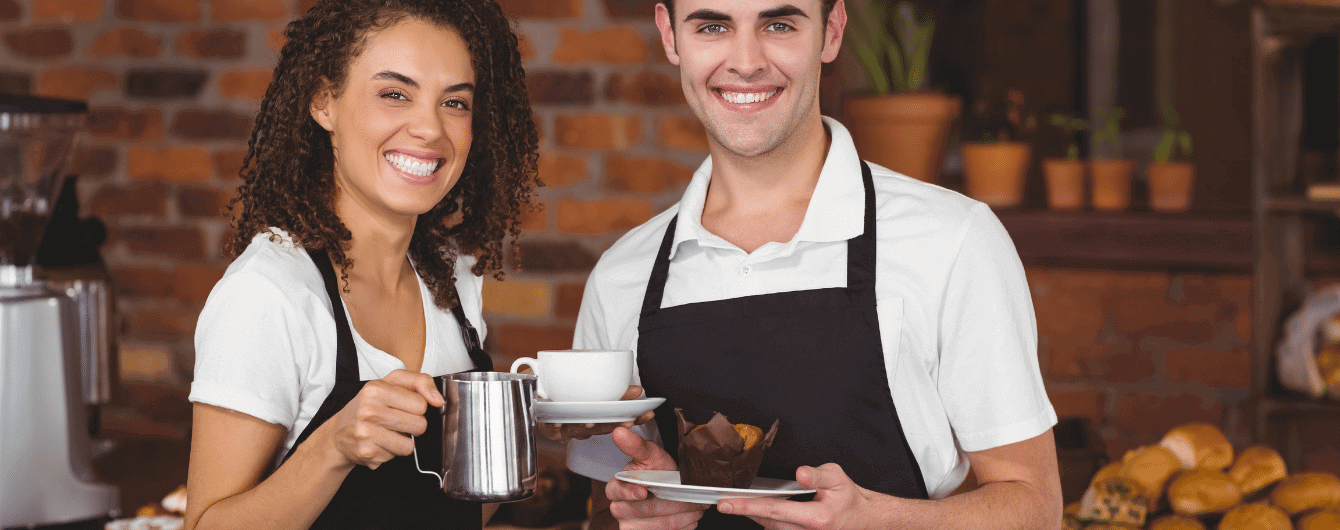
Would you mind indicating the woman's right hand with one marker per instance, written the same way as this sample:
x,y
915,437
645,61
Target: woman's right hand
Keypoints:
x,y
375,425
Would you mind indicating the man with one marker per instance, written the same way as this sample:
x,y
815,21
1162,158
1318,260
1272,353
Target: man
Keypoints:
x,y
884,321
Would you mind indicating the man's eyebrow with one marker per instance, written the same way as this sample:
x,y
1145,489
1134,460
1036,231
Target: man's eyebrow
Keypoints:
x,y
783,11
710,15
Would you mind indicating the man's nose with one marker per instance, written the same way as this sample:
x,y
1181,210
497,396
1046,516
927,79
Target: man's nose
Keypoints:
x,y
746,58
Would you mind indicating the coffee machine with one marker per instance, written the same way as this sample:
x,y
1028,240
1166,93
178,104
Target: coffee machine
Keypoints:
x,y
46,472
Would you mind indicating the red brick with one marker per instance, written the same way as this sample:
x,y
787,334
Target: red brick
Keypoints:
x,y
131,42
684,133
213,44
16,82
561,171
75,83
248,85
569,301
1220,369
94,161
159,10
192,283
247,10
165,83
1064,308
1159,413
645,89
533,220
40,43
228,165
1087,357
644,174
525,47
597,217
555,257
542,8
597,131
10,10
201,124
611,44
67,10
304,5
200,202
175,243
275,40
146,199
176,164
561,88
524,341
1138,305
1078,404
126,124
637,9
142,282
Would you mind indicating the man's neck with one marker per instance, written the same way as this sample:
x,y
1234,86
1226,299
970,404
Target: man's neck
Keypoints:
x,y
757,199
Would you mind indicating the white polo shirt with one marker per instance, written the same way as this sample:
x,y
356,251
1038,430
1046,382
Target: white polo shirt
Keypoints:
x,y
265,341
955,315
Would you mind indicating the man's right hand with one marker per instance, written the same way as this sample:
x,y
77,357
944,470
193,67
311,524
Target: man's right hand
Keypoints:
x,y
631,504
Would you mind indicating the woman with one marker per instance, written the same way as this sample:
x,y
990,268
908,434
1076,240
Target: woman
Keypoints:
x,y
393,154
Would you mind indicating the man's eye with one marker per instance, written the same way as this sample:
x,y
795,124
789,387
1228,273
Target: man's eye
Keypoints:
x,y
712,29
780,27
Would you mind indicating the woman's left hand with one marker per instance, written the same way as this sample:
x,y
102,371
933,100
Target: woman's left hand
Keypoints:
x,y
836,505
562,432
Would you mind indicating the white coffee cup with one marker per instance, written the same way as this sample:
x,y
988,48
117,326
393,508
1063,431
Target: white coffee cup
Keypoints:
x,y
581,375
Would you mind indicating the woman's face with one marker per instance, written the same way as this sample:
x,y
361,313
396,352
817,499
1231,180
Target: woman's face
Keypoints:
x,y
401,125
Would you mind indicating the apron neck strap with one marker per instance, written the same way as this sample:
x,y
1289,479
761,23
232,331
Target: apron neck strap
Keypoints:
x,y
346,357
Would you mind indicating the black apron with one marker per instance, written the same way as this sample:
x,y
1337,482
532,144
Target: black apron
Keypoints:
x,y
395,495
812,359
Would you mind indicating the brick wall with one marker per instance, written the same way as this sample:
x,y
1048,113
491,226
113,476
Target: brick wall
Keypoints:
x,y
173,86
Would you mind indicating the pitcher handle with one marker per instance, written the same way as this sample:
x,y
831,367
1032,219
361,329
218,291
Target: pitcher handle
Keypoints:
x,y
441,480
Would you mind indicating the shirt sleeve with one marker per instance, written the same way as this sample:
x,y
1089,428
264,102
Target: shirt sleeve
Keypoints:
x,y
989,380
250,343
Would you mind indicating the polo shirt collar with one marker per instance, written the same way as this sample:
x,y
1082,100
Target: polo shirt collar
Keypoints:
x,y
835,213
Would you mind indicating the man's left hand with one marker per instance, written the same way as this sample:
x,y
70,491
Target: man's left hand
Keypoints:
x,y
836,505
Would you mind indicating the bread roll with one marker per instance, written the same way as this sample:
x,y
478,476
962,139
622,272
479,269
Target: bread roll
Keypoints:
x,y
1255,516
1256,467
1199,446
1150,466
1307,490
1321,520
1110,471
1176,522
1203,491
1115,500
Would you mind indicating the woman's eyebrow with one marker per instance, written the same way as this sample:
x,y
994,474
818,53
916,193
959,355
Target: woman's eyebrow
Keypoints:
x,y
395,76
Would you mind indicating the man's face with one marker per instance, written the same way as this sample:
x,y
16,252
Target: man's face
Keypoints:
x,y
750,68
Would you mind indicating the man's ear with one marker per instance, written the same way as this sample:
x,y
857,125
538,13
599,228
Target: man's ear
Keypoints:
x,y
667,28
320,108
837,24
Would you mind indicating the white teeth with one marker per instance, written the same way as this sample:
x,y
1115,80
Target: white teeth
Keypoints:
x,y
413,166
741,98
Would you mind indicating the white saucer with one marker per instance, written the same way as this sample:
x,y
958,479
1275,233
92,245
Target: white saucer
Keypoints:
x,y
594,411
665,484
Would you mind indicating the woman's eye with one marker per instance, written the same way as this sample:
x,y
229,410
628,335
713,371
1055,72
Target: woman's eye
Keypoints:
x,y
457,104
392,94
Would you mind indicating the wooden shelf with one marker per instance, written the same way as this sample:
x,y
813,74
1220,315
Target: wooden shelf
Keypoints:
x,y
1132,240
1274,406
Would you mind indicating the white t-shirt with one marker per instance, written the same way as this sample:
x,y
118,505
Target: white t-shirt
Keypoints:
x,y
955,315
265,342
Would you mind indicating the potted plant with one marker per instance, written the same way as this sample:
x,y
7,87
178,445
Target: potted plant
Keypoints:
x,y
995,165
1110,189
1065,176
1171,181
902,126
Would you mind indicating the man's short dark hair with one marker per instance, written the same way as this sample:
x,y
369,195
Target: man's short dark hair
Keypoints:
x,y
827,8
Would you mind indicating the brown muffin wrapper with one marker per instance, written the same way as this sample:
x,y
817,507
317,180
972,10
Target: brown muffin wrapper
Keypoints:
x,y
714,456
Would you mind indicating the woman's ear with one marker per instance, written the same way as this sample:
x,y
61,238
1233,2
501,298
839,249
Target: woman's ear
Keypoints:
x,y
320,109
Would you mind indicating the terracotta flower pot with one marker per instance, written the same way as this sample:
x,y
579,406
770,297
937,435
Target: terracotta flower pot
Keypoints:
x,y
1111,186
1170,185
903,132
994,172
1065,183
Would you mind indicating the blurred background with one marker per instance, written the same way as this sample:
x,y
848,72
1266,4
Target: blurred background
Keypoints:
x,y
1150,314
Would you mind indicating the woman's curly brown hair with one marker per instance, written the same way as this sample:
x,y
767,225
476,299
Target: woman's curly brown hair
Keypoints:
x,y
287,173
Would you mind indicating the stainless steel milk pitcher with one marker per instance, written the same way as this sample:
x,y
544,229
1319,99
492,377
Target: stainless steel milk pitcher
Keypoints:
x,y
488,436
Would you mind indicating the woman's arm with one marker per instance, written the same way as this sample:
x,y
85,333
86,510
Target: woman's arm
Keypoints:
x,y
230,451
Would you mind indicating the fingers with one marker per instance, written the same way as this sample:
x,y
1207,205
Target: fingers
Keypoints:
x,y
827,476
418,383
633,392
646,455
656,513
777,513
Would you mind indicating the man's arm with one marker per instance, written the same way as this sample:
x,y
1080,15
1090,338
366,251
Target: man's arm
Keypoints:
x,y
1020,489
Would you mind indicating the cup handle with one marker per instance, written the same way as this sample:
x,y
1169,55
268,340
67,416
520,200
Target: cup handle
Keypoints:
x,y
534,365
441,480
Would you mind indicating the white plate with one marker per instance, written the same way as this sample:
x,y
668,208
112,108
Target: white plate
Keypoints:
x,y
665,484
593,411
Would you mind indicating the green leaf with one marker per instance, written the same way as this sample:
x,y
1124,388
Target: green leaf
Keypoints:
x,y
898,68
873,69
1185,140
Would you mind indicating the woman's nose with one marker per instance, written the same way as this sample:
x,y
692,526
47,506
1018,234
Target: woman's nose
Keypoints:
x,y
427,123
